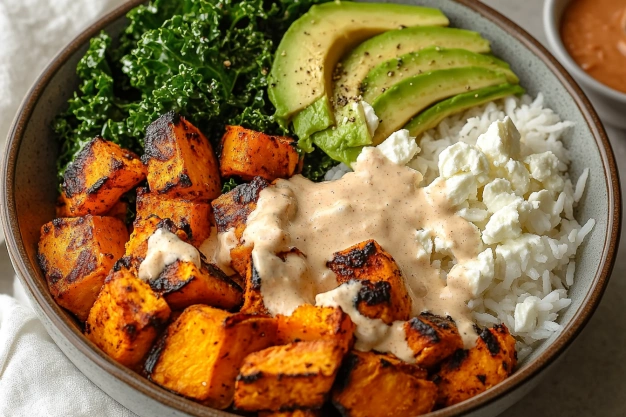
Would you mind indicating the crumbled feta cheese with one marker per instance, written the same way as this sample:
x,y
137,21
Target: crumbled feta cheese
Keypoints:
x,y
517,174
526,314
460,188
498,194
500,142
544,167
399,147
503,225
370,117
479,272
463,158
424,238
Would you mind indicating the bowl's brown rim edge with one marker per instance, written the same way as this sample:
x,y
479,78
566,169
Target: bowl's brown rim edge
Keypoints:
x,y
17,251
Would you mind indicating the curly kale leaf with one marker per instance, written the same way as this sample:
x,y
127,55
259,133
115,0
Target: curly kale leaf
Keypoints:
x,y
316,164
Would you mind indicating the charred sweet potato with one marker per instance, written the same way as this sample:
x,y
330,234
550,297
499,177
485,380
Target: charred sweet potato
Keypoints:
x,y
76,255
375,385
180,159
184,284
231,211
294,413
297,375
432,338
126,318
248,154
469,372
137,246
191,215
308,323
252,297
200,354
383,295
101,173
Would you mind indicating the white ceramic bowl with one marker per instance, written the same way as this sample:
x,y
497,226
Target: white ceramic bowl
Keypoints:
x,y
609,103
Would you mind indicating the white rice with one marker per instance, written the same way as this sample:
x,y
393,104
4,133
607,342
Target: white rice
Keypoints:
x,y
532,279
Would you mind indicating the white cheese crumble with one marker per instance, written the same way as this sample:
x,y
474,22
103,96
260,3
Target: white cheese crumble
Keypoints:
x,y
370,117
399,147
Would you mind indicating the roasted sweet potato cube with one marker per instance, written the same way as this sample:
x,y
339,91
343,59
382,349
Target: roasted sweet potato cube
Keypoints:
x,y
119,210
101,173
76,255
308,323
191,215
469,372
294,413
297,375
231,211
180,159
252,297
248,154
126,318
432,338
200,354
375,385
384,294
184,284
137,246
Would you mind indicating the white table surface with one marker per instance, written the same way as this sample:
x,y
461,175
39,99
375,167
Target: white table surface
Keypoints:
x,y
590,380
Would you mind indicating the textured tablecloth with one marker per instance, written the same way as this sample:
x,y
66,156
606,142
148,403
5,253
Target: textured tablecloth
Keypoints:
x,y
36,379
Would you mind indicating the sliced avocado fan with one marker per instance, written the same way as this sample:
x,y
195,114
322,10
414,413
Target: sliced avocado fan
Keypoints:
x,y
308,52
354,67
396,106
431,117
385,75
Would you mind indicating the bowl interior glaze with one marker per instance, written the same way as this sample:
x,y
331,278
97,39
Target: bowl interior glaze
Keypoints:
x,y
29,192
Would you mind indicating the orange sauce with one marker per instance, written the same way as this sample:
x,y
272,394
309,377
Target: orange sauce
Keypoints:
x,y
594,34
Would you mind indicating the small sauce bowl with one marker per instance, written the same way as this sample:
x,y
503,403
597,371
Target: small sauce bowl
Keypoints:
x,y
609,103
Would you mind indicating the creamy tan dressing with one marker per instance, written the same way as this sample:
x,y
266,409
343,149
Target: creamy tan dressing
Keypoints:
x,y
380,200
165,248
217,248
371,334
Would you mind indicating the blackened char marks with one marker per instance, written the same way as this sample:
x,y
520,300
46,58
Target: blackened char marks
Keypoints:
x,y
374,293
74,176
424,329
439,321
457,359
344,264
85,264
491,342
249,379
233,208
168,281
97,185
249,193
155,354
158,136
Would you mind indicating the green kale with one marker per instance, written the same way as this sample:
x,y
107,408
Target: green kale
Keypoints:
x,y
316,164
229,185
206,59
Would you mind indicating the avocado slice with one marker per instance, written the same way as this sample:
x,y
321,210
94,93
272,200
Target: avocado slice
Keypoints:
x,y
396,106
355,66
351,71
344,141
308,52
431,117
385,75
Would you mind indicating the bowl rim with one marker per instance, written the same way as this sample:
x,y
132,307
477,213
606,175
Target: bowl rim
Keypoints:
x,y
552,26
27,272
